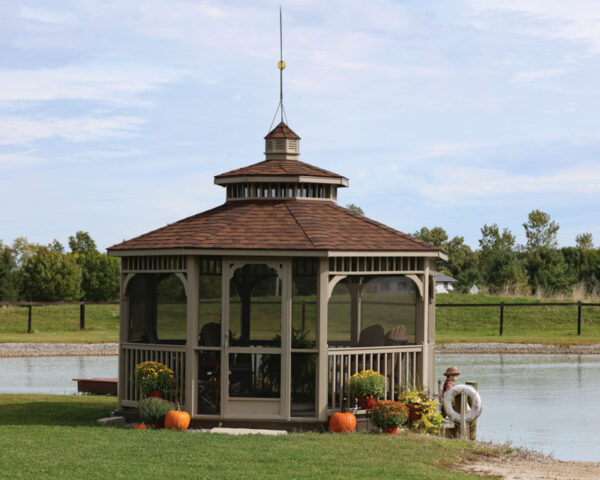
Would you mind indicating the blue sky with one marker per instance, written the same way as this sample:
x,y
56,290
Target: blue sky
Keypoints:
x,y
115,116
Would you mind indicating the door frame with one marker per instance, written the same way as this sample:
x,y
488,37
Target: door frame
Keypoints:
x,y
283,267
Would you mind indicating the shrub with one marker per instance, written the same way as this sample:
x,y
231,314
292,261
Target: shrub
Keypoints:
x,y
153,410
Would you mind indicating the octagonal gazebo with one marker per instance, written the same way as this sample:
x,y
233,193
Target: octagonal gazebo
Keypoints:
x,y
265,305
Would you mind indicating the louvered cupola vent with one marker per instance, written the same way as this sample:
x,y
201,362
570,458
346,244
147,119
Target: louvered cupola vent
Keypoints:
x,y
282,144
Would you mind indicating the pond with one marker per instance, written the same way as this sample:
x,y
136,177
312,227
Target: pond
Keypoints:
x,y
543,402
547,403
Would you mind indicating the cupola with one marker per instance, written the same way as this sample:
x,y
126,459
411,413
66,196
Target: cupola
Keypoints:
x,y
282,143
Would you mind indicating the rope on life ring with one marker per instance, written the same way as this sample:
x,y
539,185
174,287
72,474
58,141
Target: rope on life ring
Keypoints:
x,y
470,392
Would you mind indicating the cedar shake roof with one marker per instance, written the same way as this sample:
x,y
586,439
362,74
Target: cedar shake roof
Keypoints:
x,y
277,225
282,131
280,168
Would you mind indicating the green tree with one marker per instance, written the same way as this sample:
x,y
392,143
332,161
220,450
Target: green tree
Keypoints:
x,y
9,279
437,236
584,241
498,262
460,256
355,209
547,270
50,276
540,230
100,277
82,243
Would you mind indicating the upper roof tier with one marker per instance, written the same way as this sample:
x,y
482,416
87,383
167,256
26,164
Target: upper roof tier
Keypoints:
x,y
282,131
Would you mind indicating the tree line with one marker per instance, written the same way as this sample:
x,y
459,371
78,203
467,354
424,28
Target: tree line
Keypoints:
x,y
46,273
502,266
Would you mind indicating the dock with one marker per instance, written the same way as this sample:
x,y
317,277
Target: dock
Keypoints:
x,y
102,386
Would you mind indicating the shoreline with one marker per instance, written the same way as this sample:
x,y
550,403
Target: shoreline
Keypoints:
x,y
112,349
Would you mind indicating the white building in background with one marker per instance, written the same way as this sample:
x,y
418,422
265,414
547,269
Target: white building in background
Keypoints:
x,y
444,283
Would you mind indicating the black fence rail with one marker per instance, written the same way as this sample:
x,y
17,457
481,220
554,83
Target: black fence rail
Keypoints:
x,y
30,305
502,305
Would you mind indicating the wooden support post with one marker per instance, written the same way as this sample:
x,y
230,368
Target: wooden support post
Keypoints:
x,y
303,315
473,426
464,426
82,316
29,330
579,318
501,318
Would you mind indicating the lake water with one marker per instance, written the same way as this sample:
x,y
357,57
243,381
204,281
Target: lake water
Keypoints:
x,y
549,403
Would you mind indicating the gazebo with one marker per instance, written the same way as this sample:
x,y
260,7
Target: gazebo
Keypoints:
x,y
265,305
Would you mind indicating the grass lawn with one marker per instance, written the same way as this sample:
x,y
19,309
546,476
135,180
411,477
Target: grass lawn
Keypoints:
x,y
549,325
55,437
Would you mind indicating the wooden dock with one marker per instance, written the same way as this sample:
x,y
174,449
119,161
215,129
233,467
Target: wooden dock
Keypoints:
x,y
102,386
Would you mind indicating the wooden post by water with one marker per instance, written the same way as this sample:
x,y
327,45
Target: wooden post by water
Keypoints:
x,y
29,330
579,318
501,318
473,426
82,316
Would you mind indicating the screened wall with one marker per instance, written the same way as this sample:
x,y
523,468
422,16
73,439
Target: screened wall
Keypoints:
x,y
157,309
372,311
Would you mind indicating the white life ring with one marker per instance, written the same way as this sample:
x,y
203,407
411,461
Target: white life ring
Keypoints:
x,y
470,392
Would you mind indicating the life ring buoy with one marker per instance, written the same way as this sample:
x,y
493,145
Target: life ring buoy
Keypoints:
x,y
470,392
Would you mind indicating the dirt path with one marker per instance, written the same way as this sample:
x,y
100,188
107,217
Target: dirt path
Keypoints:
x,y
528,469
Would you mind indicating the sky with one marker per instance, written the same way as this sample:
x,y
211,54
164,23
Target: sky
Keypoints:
x,y
116,115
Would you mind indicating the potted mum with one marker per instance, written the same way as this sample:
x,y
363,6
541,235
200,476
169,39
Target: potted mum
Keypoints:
x,y
366,386
154,379
152,411
389,415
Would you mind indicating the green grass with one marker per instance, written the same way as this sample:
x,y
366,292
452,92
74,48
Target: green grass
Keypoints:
x,y
55,437
549,325
60,323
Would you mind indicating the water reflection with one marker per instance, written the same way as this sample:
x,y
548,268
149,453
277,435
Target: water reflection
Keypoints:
x,y
52,374
543,402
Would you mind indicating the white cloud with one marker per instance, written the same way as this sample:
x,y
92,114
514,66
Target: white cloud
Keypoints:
x,y
121,84
20,159
21,130
44,15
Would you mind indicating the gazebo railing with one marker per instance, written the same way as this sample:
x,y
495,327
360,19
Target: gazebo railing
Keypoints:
x,y
173,356
398,364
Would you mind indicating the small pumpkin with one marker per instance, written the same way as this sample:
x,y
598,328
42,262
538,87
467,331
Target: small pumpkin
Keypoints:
x,y
342,422
140,426
177,419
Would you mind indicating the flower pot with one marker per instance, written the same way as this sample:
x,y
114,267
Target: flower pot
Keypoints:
x,y
367,402
154,394
414,412
390,430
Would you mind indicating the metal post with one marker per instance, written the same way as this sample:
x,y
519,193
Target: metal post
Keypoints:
x,y
82,316
579,318
29,330
501,318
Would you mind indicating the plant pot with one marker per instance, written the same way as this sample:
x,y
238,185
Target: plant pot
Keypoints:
x,y
367,402
391,430
414,412
154,394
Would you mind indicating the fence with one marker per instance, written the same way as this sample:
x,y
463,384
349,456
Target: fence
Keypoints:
x,y
30,305
502,305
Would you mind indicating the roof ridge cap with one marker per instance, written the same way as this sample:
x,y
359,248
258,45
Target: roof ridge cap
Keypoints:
x,y
287,206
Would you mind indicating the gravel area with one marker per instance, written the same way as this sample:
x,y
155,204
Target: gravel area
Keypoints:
x,y
57,349
76,349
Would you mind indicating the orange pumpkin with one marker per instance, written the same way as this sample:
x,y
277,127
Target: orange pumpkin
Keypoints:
x,y
177,420
140,426
342,422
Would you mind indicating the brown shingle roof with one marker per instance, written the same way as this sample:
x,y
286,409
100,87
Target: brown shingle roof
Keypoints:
x,y
277,225
280,168
282,131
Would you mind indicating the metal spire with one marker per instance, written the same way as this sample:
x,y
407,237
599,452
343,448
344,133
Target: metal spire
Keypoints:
x,y
281,66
